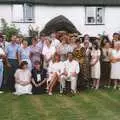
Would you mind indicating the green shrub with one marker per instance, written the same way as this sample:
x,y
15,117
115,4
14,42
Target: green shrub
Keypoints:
x,y
8,30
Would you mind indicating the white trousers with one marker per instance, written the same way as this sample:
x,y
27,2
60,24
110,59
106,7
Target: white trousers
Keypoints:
x,y
73,81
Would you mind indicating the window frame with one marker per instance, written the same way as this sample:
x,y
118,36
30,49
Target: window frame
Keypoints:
x,y
96,7
23,20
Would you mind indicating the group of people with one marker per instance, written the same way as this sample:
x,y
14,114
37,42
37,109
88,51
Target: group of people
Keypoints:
x,y
61,60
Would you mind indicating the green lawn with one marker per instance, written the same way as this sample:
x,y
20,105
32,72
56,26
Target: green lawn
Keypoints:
x,y
88,105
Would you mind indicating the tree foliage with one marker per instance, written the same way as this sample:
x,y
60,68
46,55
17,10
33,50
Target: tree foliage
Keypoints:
x,y
8,30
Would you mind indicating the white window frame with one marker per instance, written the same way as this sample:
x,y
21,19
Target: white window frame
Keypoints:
x,y
23,18
96,15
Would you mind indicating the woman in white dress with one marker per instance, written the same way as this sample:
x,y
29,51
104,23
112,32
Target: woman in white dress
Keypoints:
x,y
55,71
25,54
63,48
95,65
23,80
115,64
48,51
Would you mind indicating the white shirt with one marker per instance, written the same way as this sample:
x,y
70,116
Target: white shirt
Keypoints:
x,y
48,52
71,67
95,54
55,43
56,67
70,48
1,52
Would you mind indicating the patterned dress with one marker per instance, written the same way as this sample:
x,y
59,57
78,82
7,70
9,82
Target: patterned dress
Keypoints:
x,y
36,55
84,61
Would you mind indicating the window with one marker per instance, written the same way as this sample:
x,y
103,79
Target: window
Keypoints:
x,y
23,13
94,15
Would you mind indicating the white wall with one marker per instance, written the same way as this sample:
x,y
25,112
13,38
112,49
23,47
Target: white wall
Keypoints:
x,y
76,14
6,12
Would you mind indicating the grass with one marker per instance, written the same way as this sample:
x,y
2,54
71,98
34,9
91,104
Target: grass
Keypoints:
x,y
88,105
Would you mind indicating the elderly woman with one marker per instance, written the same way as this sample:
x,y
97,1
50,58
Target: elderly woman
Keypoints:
x,y
23,80
95,65
115,64
35,52
25,54
82,55
63,48
48,51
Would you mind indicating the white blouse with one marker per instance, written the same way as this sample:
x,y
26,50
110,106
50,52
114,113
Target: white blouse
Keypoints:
x,y
48,52
23,75
95,54
71,67
1,53
56,67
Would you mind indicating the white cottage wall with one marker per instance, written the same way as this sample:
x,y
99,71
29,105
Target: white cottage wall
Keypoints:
x,y
76,14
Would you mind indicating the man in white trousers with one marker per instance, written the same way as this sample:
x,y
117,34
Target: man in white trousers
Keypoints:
x,y
72,70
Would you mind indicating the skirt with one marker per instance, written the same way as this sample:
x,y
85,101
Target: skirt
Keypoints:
x,y
115,70
23,89
95,71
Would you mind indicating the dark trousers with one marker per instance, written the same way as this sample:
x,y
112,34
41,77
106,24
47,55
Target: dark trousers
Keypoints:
x,y
105,72
68,86
11,71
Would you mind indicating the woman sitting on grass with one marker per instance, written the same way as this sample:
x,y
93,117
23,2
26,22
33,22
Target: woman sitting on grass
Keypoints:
x,y
23,80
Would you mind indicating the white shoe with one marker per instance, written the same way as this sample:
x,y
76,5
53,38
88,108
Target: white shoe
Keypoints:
x,y
61,91
105,86
1,92
73,91
92,87
30,93
50,93
18,94
114,87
